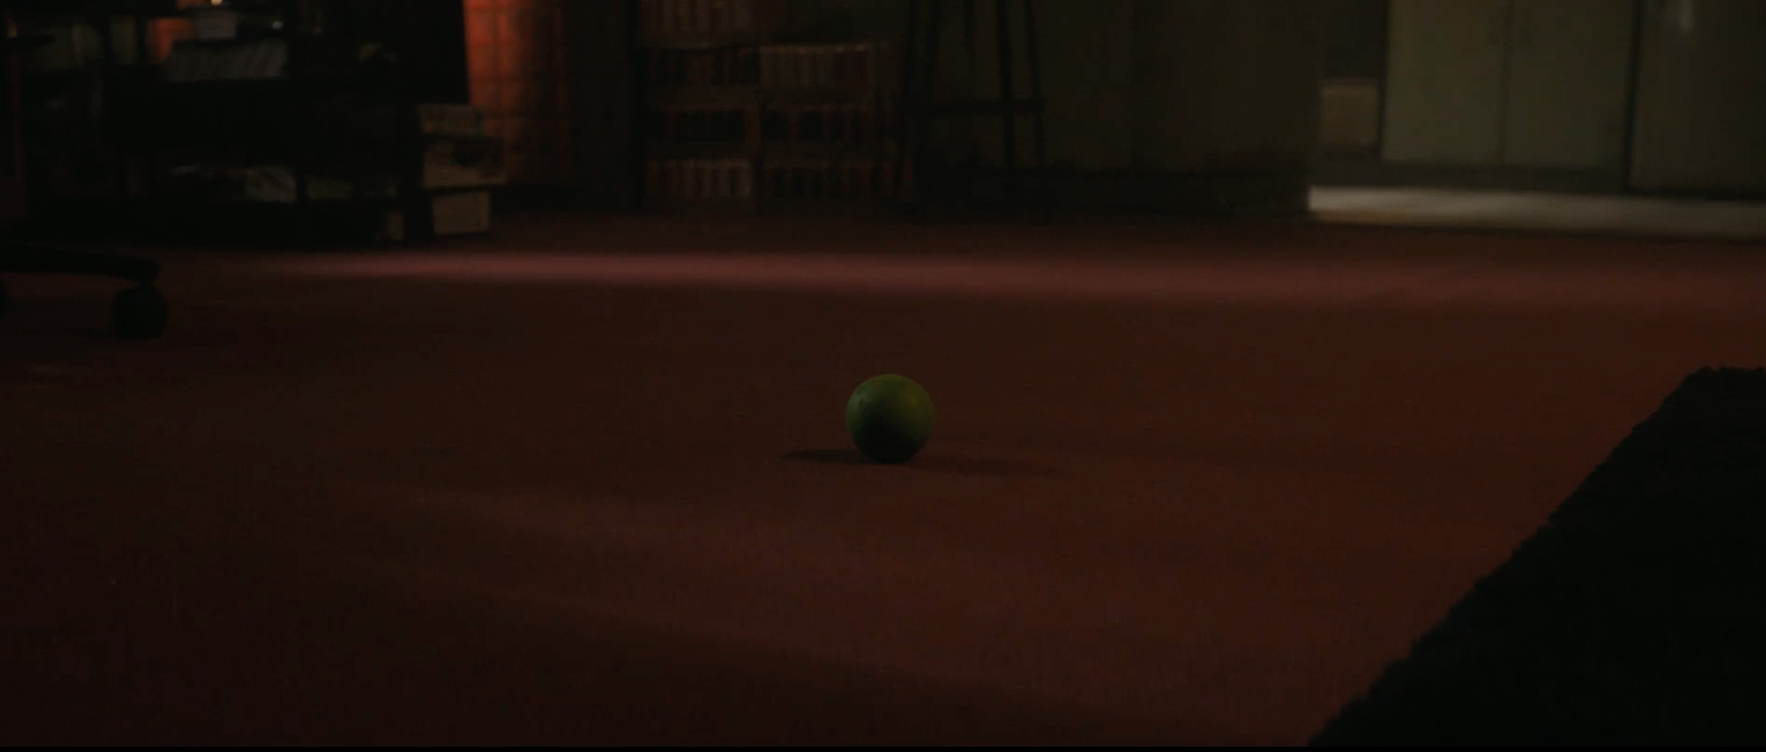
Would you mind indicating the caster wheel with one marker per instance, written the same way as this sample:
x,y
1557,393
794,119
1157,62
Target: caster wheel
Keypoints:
x,y
138,313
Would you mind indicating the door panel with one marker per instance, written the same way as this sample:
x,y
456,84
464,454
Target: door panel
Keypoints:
x,y
1700,109
1444,84
1568,84
14,202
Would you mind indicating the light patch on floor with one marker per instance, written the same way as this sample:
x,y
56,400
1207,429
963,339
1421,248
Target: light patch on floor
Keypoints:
x,y
1513,210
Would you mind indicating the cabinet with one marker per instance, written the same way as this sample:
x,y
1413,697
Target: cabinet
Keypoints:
x,y
1510,84
1701,114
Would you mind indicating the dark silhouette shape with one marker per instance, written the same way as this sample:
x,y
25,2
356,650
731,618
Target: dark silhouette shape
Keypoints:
x,y
1635,616
137,313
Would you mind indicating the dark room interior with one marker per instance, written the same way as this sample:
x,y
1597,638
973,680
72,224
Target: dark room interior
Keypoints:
x,y
883,372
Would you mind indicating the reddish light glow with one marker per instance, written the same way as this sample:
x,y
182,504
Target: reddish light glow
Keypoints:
x,y
515,59
165,33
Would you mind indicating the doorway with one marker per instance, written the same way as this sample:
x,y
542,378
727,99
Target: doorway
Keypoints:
x,y
1486,112
1488,94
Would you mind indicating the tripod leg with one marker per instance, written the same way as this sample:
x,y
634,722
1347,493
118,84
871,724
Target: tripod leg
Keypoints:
x,y
969,28
1035,55
906,134
1008,101
1033,51
928,101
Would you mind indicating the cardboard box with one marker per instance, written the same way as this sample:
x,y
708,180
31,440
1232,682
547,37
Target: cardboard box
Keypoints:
x,y
454,214
464,162
457,120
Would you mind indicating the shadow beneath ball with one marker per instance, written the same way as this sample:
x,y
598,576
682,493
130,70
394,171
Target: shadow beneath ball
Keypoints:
x,y
933,463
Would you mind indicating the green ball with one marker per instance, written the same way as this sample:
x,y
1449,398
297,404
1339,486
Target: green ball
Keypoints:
x,y
889,418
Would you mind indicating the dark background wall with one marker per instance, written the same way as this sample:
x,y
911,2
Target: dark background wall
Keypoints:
x,y
1218,105
430,37
1202,106
1355,38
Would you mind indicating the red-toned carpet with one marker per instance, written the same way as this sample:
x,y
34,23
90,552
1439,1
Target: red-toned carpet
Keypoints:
x,y
585,482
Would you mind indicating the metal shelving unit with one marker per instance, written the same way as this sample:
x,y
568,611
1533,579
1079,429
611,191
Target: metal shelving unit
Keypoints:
x,y
742,121
944,184
318,106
